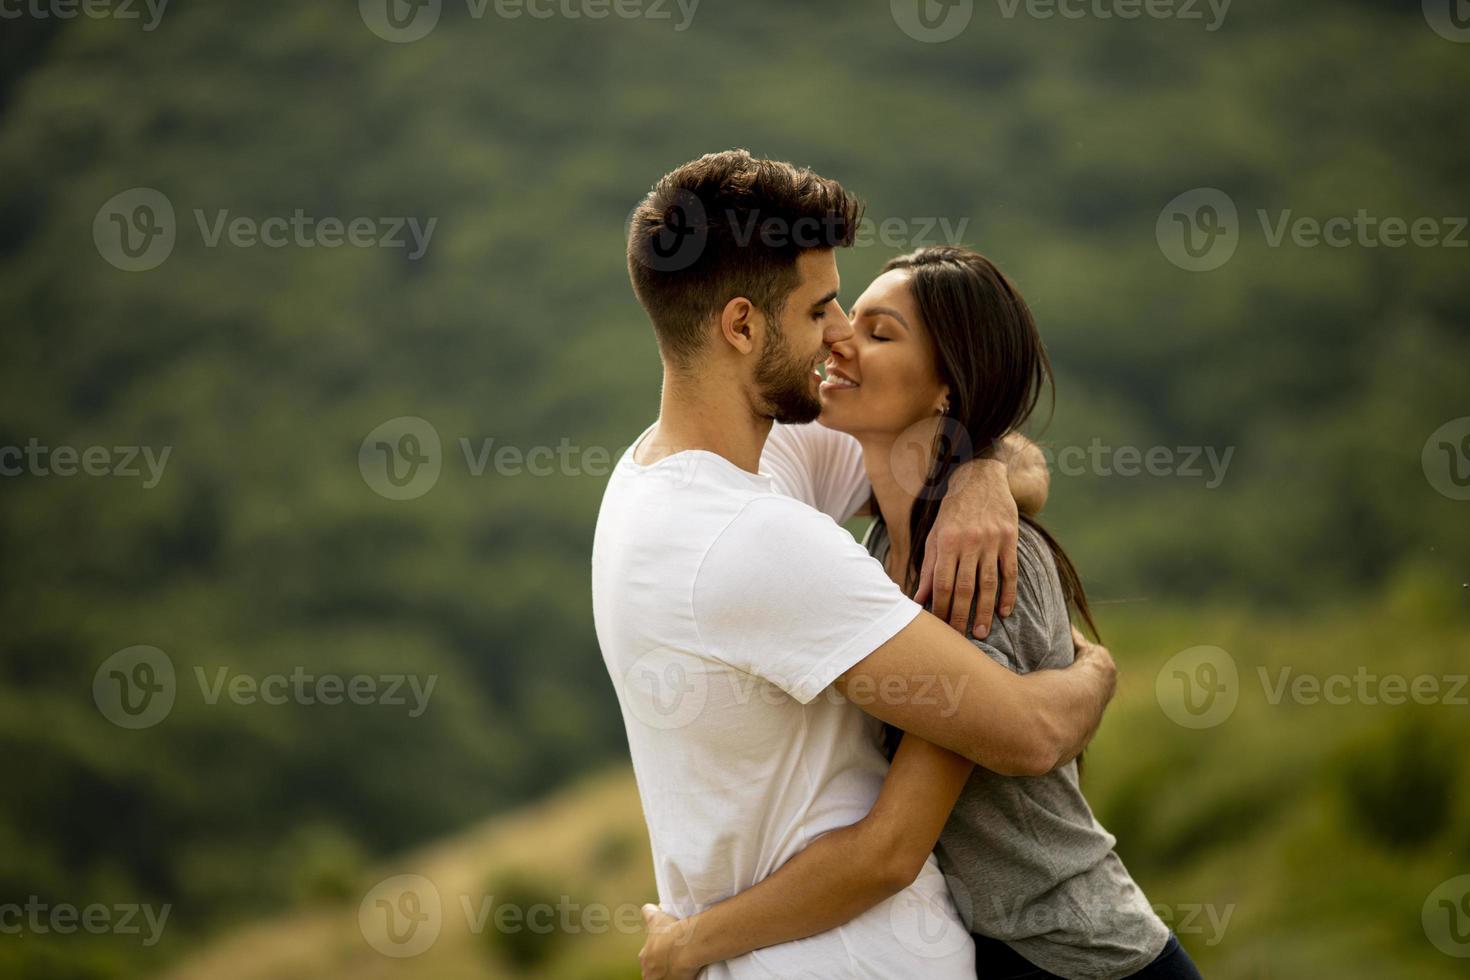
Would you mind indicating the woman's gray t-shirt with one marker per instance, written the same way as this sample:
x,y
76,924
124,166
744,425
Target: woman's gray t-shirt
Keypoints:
x,y
1025,858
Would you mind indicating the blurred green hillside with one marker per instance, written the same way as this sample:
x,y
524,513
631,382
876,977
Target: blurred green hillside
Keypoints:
x,y
1297,840
263,548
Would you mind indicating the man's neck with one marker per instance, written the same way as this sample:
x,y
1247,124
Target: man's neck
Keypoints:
x,y
708,414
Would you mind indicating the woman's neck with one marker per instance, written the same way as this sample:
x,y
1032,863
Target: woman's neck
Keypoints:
x,y
897,466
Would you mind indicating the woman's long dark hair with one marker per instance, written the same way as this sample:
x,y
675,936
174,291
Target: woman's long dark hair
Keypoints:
x,y
990,354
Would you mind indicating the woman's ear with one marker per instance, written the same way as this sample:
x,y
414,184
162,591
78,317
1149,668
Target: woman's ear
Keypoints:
x,y
941,404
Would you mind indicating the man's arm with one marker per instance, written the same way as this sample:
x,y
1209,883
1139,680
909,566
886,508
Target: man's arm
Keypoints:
x,y
833,880
973,541
1026,470
1024,725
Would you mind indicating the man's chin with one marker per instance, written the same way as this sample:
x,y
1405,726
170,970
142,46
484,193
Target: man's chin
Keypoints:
x,y
797,414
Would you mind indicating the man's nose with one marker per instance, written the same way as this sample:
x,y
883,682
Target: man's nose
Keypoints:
x,y
839,328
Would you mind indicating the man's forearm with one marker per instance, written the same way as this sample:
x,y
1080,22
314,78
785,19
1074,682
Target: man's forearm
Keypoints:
x,y
1026,472
1074,700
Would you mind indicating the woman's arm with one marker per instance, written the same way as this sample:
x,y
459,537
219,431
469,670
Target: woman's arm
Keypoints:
x,y
837,877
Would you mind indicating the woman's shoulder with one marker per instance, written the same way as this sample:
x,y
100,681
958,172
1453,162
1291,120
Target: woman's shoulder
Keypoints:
x,y
1037,632
1036,565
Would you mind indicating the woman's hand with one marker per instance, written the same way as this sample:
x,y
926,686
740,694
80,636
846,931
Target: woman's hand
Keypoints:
x,y
667,938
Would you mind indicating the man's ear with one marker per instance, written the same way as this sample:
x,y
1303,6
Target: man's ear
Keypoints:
x,y
737,324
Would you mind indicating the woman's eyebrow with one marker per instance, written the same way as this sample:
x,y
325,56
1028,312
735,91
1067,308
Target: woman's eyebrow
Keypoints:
x,y
885,311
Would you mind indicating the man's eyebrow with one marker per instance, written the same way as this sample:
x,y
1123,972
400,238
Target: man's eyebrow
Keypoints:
x,y
886,311
825,300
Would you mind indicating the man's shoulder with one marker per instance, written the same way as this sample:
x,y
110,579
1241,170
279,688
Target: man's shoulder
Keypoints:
x,y
770,535
772,521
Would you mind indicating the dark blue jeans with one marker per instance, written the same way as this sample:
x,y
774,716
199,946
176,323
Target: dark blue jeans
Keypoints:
x,y
994,960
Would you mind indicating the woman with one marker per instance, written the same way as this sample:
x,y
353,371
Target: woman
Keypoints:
x,y
945,357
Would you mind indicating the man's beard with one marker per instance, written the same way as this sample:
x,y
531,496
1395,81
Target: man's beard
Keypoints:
x,y
785,384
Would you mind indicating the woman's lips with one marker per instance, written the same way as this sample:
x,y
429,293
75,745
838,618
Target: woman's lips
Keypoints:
x,y
837,381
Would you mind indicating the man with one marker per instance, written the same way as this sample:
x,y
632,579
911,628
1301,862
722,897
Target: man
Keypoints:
x,y
730,614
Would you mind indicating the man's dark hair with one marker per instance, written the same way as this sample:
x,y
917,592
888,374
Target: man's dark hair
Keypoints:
x,y
728,225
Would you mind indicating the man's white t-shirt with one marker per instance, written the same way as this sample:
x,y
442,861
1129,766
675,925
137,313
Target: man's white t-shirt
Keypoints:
x,y
725,606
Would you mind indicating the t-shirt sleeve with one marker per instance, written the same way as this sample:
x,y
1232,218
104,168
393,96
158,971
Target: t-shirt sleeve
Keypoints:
x,y
821,467
1026,640
787,595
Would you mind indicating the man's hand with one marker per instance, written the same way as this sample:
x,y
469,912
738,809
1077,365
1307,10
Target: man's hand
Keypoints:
x,y
667,936
973,541
1097,657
